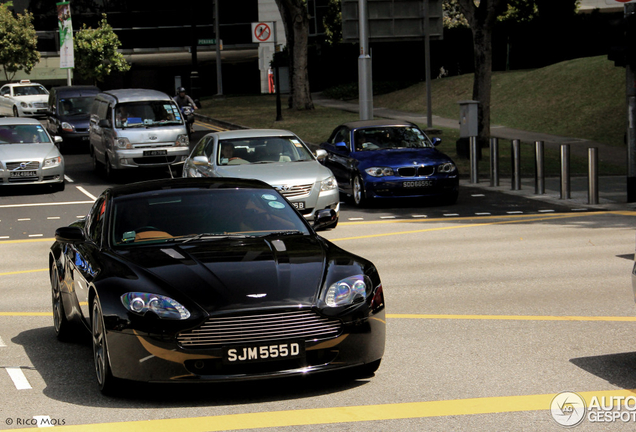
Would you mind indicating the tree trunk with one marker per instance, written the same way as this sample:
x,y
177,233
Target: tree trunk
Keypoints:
x,y
296,22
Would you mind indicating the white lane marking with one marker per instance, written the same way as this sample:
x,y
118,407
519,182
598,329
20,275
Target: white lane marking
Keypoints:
x,y
419,216
483,214
356,219
478,195
87,193
53,217
387,217
546,211
2,344
24,219
43,421
45,204
4,237
36,235
514,212
451,214
68,179
80,216
18,378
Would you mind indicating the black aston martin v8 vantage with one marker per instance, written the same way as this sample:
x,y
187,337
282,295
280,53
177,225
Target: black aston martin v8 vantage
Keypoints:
x,y
212,279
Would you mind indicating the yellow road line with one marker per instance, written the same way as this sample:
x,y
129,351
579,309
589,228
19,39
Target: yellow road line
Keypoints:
x,y
512,317
210,126
49,240
31,314
347,414
23,271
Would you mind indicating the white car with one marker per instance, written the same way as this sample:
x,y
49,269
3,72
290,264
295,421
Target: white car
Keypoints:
x,y
23,99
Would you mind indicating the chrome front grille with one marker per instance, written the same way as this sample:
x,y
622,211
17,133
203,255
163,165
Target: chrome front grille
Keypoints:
x,y
296,191
40,104
31,165
216,332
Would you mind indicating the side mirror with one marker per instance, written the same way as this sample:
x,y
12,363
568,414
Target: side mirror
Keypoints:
x,y
104,123
69,235
200,160
57,139
324,218
321,154
436,141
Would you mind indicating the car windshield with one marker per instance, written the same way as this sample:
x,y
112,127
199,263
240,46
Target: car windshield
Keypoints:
x,y
147,114
23,134
29,90
390,137
73,106
187,216
262,150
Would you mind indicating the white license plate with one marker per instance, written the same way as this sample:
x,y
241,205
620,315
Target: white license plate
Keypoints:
x,y
263,352
155,152
300,205
417,183
24,173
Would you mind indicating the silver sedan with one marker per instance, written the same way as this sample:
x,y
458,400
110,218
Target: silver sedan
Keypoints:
x,y
277,157
28,155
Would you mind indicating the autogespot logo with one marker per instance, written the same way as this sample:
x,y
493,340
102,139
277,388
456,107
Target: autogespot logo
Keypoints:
x,y
568,409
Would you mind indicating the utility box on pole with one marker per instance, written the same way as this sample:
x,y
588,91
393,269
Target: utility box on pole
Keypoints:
x,y
468,127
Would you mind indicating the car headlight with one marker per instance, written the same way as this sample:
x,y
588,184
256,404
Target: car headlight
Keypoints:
x,y
446,167
52,162
182,141
24,104
165,307
347,291
67,127
328,184
379,171
123,143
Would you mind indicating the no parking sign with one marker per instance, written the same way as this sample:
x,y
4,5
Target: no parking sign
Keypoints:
x,y
262,32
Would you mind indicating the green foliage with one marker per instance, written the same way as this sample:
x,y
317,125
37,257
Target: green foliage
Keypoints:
x,y
333,22
17,42
96,54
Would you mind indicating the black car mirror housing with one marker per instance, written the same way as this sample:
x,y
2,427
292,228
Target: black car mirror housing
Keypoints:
x,y
69,235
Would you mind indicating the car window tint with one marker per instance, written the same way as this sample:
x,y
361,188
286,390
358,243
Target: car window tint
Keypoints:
x,y
71,106
23,134
96,220
262,150
186,213
341,136
146,114
390,137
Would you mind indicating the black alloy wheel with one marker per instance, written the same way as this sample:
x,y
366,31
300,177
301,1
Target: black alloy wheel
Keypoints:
x,y
108,384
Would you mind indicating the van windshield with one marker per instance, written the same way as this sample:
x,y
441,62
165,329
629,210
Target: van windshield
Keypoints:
x,y
147,114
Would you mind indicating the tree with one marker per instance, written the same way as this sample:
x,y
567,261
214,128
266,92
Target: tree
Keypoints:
x,y
296,22
481,17
17,42
96,54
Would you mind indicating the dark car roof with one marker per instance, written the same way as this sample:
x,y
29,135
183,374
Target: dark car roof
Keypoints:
x,y
375,123
67,91
188,183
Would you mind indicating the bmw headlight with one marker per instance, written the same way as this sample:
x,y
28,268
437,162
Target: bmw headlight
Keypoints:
x,y
347,291
328,184
446,167
165,307
379,171
52,162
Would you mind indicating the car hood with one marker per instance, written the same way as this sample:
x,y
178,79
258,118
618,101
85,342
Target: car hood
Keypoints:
x,y
278,173
235,273
400,157
32,98
38,151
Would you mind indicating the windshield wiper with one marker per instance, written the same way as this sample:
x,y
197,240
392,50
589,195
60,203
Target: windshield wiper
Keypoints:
x,y
284,233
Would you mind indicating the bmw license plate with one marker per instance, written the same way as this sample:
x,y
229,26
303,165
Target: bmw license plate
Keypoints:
x,y
263,352
300,205
417,183
21,174
155,152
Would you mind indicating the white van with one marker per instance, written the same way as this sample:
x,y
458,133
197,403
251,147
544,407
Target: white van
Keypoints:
x,y
133,128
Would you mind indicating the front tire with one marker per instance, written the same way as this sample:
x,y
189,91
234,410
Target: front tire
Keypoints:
x,y
109,170
359,194
108,384
63,328
15,111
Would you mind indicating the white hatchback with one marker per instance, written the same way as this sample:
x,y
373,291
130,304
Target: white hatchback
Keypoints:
x,y
23,99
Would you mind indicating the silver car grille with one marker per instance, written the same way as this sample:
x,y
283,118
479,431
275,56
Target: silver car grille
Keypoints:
x,y
297,191
216,332
40,104
17,166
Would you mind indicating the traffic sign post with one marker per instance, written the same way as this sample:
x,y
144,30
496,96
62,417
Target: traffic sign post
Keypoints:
x,y
265,32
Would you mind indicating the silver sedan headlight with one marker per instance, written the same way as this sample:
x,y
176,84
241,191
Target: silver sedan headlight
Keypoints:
x,y
329,183
52,162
